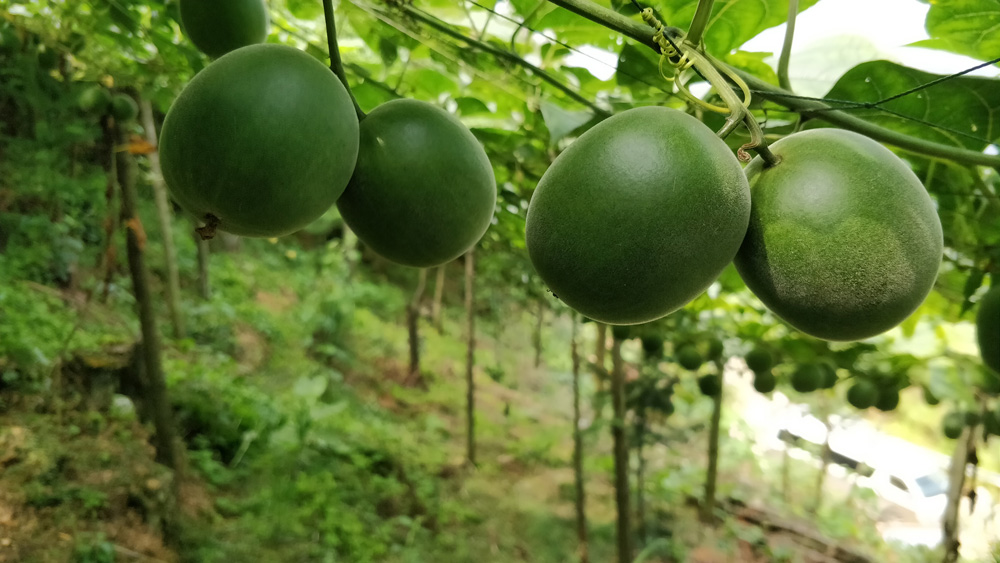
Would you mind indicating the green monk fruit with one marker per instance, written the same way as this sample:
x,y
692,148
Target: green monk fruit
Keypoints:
x,y
807,378
94,99
759,359
217,27
829,379
423,192
988,328
124,108
261,142
710,385
638,216
764,381
844,243
929,397
715,349
888,399
689,358
862,394
952,424
652,346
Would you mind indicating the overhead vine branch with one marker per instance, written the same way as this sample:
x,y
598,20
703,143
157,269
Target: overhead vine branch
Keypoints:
x,y
336,65
643,34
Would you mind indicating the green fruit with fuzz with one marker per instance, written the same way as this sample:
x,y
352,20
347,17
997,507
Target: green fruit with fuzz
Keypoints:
x,y
638,216
759,360
124,108
652,346
844,243
94,99
710,385
862,394
715,349
807,378
988,328
423,192
689,358
217,27
888,400
953,424
764,381
829,379
264,140
929,397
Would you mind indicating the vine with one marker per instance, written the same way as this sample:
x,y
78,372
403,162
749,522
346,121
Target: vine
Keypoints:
x,y
336,65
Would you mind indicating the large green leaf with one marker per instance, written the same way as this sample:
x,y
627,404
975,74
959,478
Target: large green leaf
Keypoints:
x,y
733,22
562,122
969,107
967,27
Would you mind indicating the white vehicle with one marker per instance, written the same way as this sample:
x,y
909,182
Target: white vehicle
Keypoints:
x,y
922,489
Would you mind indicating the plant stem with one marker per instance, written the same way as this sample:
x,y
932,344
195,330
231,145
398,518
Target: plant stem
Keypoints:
x,y
700,21
786,47
619,438
644,34
336,65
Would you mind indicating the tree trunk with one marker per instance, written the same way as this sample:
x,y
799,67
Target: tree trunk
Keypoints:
x,y
621,453
956,484
600,347
470,352
439,295
707,512
640,476
538,333
785,473
580,498
824,465
204,288
155,384
413,325
163,212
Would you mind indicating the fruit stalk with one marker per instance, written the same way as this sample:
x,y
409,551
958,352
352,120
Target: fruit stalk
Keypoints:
x,y
336,65
786,47
644,34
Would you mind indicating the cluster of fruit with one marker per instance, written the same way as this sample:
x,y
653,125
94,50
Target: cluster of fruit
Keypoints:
x,y
266,139
644,211
98,100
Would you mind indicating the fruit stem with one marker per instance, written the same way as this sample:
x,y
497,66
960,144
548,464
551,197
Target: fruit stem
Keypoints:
x,y
786,47
699,22
644,34
336,65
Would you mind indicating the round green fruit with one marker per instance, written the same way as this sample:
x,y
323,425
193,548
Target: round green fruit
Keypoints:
x,y
423,192
764,381
759,359
261,142
124,108
988,328
715,349
953,424
807,378
652,346
94,99
638,216
929,397
710,385
829,379
844,243
888,400
217,27
689,358
862,394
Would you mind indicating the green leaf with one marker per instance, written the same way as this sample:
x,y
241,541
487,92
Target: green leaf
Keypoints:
x,y
968,106
733,22
305,9
638,69
754,64
561,122
471,106
967,27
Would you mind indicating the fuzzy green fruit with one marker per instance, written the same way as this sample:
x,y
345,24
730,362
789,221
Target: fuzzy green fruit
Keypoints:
x,y
264,139
652,346
217,27
94,99
710,385
988,328
423,192
764,381
638,216
953,424
844,242
930,398
124,108
689,358
888,400
862,394
759,360
829,379
807,378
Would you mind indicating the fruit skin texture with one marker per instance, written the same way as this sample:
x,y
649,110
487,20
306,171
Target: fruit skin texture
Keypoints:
x,y
638,216
862,394
844,243
124,108
988,328
217,27
423,192
265,139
